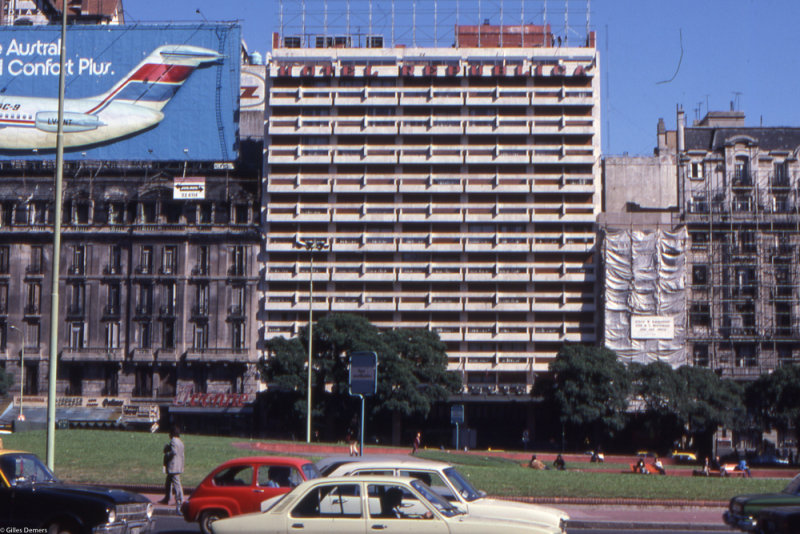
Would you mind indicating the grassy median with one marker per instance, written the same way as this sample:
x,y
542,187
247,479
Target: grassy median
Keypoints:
x,y
113,457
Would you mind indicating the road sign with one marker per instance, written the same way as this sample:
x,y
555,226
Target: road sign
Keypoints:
x,y
363,372
457,414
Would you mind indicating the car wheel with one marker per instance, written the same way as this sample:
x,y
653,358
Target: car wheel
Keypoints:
x,y
62,528
209,516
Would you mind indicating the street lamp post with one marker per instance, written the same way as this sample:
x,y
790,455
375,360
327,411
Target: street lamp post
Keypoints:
x,y
310,245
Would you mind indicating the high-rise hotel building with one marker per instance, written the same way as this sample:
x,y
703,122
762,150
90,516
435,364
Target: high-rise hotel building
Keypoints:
x,y
454,188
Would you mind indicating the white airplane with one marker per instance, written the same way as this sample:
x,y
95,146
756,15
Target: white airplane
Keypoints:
x,y
133,105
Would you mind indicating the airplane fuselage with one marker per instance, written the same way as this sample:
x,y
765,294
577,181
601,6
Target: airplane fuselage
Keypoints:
x,y
31,122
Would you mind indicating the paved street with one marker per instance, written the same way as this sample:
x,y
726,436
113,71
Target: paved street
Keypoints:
x,y
594,519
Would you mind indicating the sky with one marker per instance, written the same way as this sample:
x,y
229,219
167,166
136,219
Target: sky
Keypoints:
x,y
655,55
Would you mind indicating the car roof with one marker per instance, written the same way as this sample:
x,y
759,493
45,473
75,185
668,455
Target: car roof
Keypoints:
x,y
283,460
387,461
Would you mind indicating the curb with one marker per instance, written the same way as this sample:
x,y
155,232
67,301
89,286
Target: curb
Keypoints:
x,y
672,527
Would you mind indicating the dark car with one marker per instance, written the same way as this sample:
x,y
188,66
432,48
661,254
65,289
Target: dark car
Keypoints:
x,y
785,520
743,509
32,499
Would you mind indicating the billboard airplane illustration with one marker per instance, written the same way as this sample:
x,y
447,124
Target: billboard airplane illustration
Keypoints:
x,y
132,105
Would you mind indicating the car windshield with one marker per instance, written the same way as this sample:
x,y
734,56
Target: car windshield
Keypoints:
x,y
794,486
21,469
310,471
462,485
446,508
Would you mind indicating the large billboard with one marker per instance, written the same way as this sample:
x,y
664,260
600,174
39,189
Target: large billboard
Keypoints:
x,y
135,92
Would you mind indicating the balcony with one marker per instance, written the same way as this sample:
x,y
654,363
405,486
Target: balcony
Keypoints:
x,y
237,271
200,270
143,310
75,311
75,270
34,269
111,311
112,269
144,269
199,313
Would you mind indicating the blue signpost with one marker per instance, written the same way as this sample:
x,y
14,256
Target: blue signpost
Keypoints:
x,y
457,418
363,381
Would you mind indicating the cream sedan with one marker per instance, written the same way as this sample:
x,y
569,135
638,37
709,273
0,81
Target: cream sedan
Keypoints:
x,y
448,483
366,504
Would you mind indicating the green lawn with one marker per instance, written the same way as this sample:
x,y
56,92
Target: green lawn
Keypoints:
x,y
106,456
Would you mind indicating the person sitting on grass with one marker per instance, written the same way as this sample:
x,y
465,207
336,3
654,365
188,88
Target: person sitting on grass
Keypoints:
x,y
559,463
536,464
659,466
640,467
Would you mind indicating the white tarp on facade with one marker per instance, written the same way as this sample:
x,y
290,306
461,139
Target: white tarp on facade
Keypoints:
x,y
645,273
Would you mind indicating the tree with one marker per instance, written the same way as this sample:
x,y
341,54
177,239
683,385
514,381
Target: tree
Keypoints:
x,y
772,399
662,393
710,402
6,381
412,369
590,388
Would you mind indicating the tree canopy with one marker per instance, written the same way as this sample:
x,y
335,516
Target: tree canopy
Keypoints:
x,y
590,388
412,369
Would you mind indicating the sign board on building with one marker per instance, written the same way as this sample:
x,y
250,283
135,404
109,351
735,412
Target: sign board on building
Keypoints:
x,y
652,327
188,187
363,372
141,92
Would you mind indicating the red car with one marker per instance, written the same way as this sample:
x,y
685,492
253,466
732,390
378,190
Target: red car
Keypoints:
x,y
239,486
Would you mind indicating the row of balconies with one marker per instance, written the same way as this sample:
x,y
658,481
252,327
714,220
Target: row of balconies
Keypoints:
x,y
449,154
465,241
95,354
501,272
445,302
477,332
462,212
432,183
430,96
428,124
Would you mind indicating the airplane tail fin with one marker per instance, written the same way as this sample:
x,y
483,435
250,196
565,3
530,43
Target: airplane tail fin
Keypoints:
x,y
158,77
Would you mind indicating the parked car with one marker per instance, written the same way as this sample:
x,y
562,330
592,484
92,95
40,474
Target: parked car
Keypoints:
x,y
743,509
367,504
782,520
32,499
239,486
684,457
448,483
772,460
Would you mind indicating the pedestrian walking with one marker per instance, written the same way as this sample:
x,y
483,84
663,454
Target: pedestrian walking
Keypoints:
x,y
173,468
417,442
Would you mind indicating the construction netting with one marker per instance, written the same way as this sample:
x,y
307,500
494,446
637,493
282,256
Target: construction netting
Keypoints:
x,y
645,310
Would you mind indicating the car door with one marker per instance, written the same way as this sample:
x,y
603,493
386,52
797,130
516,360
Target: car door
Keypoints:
x,y
237,484
329,509
273,480
410,515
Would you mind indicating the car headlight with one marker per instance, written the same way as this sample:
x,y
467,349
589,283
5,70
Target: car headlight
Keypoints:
x,y
112,514
149,510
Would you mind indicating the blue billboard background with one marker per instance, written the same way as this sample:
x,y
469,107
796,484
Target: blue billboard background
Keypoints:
x,y
200,120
